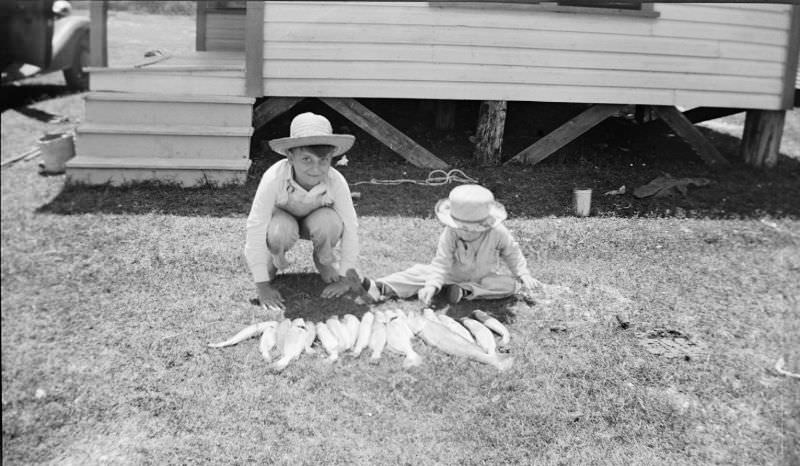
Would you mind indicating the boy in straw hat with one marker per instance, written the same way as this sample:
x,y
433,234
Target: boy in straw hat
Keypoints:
x,y
467,258
302,196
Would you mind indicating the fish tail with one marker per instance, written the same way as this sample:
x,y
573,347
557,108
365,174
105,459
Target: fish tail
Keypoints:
x,y
280,364
503,362
412,360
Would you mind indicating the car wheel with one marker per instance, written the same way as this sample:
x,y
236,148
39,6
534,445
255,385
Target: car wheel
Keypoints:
x,y
77,77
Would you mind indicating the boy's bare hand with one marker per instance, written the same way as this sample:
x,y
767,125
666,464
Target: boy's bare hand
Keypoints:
x,y
337,288
425,295
270,298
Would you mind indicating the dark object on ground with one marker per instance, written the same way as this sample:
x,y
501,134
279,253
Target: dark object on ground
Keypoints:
x,y
667,185
671,344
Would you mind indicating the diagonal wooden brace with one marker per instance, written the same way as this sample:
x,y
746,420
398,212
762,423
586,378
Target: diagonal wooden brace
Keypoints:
x,y
272,108
565,133
687,131
370,122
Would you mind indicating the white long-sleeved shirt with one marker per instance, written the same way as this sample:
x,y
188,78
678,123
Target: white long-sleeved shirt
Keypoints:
x,y
279,189
457,260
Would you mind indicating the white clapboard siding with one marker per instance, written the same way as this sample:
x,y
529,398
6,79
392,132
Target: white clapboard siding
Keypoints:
x,y
225,30
699,54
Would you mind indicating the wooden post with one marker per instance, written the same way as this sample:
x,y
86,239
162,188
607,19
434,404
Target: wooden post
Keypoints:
x,y
201,25
445,115
98,36
761,138
489,135
254,49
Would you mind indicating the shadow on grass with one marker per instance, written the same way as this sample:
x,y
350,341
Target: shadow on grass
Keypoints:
x,y
616,153
301,294
17,96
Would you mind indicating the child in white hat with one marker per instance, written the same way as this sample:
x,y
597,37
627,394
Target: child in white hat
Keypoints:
x,y
467,258
302,196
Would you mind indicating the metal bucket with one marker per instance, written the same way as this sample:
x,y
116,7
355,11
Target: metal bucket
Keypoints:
x,y
56,149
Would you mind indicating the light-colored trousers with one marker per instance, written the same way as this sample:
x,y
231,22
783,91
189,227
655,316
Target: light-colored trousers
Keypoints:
x,y
406,283
323,227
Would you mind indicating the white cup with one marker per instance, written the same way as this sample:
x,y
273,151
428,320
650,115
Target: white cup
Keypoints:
x,y
583,201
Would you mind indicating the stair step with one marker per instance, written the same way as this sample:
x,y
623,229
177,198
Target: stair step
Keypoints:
x,y
182,130
82,161
229,83
160,110
152,97
187,173
171,142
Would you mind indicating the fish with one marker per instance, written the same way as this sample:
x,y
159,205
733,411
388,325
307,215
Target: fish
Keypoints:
x,y
352,324
293,344
377,337
398,339
454,326
439,336
364,331
493,325
311,336
339,331
267,342
429,314
328,340
483,336
248,332
280,332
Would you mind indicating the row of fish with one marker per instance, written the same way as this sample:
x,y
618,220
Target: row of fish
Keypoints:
x,y
470,337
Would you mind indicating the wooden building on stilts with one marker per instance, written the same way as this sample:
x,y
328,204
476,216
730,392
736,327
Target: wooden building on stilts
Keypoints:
x,y
189,119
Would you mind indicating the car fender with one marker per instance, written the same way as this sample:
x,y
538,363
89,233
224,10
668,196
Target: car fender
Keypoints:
x,y
67,34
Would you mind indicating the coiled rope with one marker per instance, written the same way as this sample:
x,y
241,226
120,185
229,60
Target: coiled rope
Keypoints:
x,y
435,178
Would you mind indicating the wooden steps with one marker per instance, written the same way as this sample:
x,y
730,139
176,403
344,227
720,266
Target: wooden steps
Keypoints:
x,y
188,139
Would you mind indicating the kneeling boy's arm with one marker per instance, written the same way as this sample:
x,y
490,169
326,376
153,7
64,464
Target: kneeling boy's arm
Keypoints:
x,y
343,205
255,248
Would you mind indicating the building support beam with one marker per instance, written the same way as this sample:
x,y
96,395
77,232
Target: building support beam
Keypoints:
x,y
254,49
689,133
489,135
379,128
98,37
761,139
272,108
565,133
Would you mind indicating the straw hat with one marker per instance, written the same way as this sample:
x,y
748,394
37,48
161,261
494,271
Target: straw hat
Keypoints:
x,y
310,129
470,207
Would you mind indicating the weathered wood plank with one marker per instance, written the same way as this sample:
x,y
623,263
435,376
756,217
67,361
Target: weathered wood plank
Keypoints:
x,y
686,130
272,108
373,124
761,138
201,24
565,133
98,39
254,49
489,135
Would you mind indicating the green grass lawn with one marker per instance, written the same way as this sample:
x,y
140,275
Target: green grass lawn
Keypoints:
x,y
110,295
